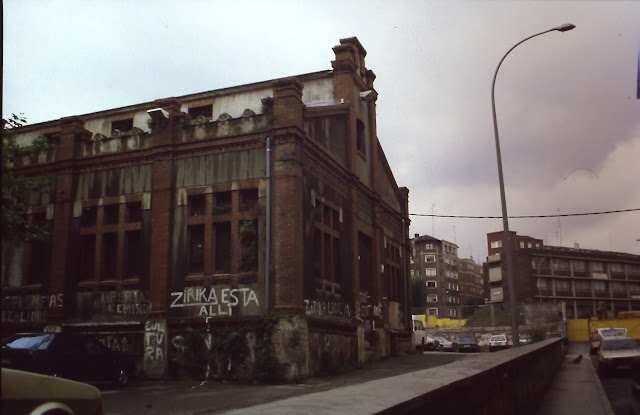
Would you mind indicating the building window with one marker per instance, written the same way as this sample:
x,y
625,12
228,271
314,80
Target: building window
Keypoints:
x,y
391,273
109,257
432,284
563,285
599,286
361,137
249,245
87,256
597,266
496,244
195,253
111,245
204,110
222,248
432,311
432,298
222,235
327,265
429,258
618,287
560,264
133,254
428,247
122,125
430,272
521,244
578,265
616,267
39,252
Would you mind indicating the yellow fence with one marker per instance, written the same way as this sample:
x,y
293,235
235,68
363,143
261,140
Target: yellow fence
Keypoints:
x,y
434,322
579,329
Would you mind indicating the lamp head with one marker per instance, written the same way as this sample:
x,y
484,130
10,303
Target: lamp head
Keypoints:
x,y
565,27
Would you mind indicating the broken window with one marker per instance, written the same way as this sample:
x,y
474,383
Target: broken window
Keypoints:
x,y
87,255
195,254
221,202
122,125
110,214
204,110
327,261
249,245
89,216
361,137
222,232
248,199
196,205
133,254
109,257
133,212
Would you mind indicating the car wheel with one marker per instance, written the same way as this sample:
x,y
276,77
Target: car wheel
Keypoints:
x,y
122,378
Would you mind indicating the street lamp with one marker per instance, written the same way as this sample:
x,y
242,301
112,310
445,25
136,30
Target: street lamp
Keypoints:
x,y
505,220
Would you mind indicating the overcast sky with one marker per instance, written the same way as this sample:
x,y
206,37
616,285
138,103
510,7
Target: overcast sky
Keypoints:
x,y
568,115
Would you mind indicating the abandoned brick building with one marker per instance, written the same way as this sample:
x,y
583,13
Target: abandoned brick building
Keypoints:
x,y
238,232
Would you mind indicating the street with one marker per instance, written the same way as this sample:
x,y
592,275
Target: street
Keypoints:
x,y
197,397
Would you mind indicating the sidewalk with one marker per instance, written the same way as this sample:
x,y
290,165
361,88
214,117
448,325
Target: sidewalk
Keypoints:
x,y
576,388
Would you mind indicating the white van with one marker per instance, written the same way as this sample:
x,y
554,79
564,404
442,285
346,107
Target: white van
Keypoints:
x,y
421,340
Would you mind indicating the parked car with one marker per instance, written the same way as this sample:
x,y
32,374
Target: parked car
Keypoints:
x,y
617,353
72,356
27,393
525,338
598,334
445,344
635,388
468,344
498,342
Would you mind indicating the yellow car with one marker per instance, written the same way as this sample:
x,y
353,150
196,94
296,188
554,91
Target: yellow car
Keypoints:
x,y
26,393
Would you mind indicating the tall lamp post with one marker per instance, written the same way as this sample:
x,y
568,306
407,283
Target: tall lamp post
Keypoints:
x,y
505,219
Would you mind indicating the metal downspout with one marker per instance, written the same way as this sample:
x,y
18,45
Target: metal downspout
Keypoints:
x,y
267,274
404,277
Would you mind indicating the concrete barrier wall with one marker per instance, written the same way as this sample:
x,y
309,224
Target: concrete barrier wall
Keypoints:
x,y
508,382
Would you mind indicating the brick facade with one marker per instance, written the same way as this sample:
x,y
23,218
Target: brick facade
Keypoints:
x,y
159,242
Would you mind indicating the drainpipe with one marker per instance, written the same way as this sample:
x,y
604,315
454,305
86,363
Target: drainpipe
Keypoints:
x,y
267,261
404,277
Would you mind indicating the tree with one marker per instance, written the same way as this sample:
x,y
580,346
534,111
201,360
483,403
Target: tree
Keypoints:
x,y
16,187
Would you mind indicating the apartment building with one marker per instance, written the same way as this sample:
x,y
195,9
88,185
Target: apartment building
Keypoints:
x,y
434,276
589,282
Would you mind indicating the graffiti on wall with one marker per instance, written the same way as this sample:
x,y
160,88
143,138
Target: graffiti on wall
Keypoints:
x,y
369,313
215,301
320,308
125,302
154,340
29,308
117,343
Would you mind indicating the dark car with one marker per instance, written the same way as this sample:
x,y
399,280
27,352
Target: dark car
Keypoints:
x,y
468,344
67,355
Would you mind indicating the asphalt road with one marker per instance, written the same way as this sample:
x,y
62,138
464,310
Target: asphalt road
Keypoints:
x,y
197,397
618,389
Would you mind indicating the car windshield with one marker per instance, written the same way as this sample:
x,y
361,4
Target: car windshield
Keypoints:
x,y
441,339
619,344
467,340
497,339
607,332
36,342
525,336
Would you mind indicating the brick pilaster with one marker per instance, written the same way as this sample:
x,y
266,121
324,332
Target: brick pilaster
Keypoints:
x,y
71,134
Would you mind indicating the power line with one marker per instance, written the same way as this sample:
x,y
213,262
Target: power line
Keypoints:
x,y
524,216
